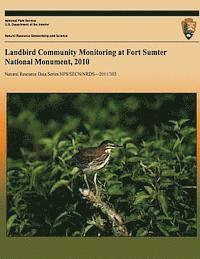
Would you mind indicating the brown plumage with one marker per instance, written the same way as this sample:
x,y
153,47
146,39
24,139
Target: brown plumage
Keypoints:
x,y
94,158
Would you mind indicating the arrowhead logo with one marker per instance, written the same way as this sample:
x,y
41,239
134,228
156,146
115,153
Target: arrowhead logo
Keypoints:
x,y
188,27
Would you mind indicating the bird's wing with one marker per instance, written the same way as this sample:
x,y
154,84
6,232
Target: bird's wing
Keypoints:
x,y
84,155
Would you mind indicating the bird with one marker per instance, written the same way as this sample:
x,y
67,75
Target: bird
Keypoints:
x,y
92,159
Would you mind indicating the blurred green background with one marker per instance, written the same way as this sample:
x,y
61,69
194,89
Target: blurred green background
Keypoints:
x,y
35,116
151,181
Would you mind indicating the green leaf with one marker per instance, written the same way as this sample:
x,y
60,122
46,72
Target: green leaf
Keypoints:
x,y
87,126
55,170
140,197
124,175
10,222
166,150
55,153
62,144
124,140
133,159
183,121
59,220
173,122
187,131
131,148
162,228
163,202
149,190
35,173
172,229
88,227
115,190
109,176
169,173
177,143
166,182
162,217
47,143
74,171
132,218
59,184
141,232
143,179
62,161
61,216
154,165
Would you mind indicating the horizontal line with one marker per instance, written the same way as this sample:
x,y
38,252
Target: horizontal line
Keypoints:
x,y
101,12
103,41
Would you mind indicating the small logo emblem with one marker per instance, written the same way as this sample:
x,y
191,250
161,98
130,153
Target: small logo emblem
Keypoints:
x,y
188,26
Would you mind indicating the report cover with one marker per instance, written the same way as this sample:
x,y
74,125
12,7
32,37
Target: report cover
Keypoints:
x,y
99,130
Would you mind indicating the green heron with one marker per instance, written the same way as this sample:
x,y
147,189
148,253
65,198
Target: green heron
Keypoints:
x,y
92,159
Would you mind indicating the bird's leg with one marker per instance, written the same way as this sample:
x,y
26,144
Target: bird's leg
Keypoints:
x,y
95,184
86,181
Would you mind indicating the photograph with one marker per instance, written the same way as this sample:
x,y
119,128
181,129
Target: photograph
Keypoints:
x,y
101,165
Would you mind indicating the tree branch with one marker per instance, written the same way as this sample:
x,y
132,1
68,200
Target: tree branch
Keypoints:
x,y
119,229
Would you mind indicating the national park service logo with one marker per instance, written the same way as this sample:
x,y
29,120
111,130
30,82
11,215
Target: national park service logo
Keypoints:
x,y
188,26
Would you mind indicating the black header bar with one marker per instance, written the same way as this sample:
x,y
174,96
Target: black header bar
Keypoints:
x,y
102,13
